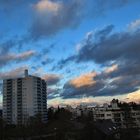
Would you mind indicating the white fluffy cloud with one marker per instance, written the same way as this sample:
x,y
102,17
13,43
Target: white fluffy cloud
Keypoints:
x,y
134,25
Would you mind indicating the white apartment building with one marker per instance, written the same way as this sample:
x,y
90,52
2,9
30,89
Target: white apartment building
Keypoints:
x,y
24,97
120,117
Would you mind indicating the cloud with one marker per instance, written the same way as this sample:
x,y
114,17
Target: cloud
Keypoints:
x,y
49,17
53,92
83,80
134,25
87,47
47,6
6,46
18,72
109,82
8,57
53,16
119,86
43,54
118,55
111,69
73,102
52,79
84,85
24,55
63,63
134,97
47,61
108,47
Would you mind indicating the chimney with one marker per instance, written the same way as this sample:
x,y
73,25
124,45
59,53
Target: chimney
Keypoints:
x,y
26,73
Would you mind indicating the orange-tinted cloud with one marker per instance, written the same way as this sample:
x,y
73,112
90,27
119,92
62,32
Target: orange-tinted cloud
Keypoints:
x,y
84,80
47,5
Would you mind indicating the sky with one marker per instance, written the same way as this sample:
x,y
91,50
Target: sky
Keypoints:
x,y
87,51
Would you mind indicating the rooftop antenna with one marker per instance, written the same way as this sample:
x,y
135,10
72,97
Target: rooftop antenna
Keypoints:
x,y
26,73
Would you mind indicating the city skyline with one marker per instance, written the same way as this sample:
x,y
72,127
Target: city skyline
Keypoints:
x,y
88,52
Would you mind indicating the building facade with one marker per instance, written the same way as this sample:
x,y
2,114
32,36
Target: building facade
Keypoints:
x,y
125,118
23,98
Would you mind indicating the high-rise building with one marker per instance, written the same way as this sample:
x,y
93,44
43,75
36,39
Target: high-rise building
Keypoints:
x,y
23,98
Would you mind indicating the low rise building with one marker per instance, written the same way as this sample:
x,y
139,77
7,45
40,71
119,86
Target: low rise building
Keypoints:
x,y
124,118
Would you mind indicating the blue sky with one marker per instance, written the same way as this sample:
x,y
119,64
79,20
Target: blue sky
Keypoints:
x,y
82,48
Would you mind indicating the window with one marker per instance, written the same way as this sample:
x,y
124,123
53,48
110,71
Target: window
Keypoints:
x,y
102,115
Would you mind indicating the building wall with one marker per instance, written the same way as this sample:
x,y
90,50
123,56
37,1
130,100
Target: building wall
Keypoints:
x,y
123,119
23,98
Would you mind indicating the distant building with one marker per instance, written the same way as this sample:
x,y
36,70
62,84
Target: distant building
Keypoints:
x,y
23,98
125,118
81,110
